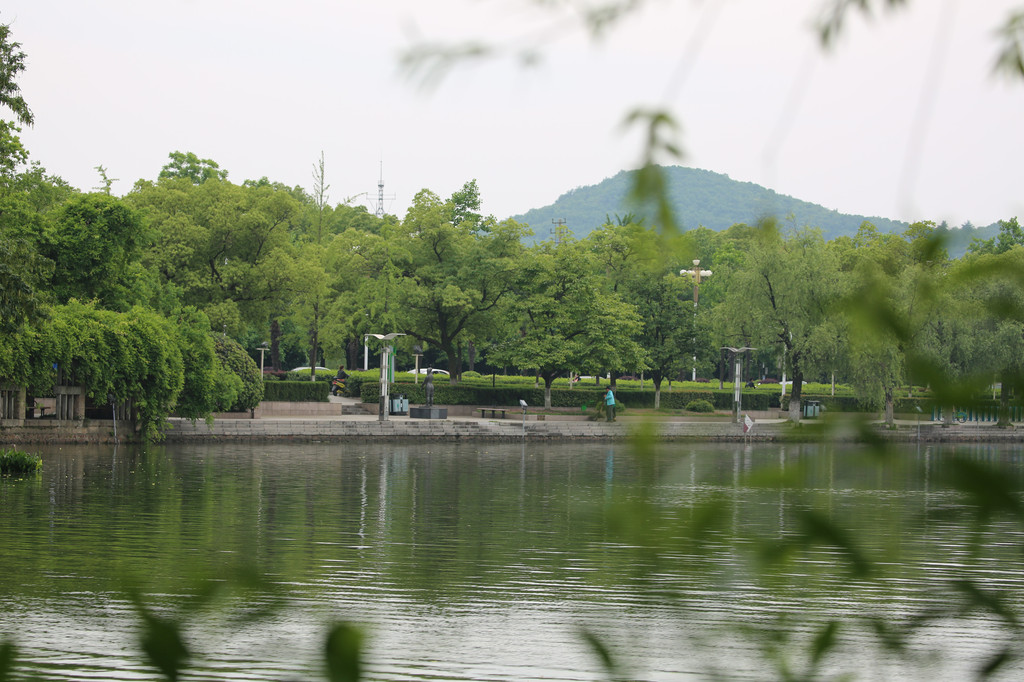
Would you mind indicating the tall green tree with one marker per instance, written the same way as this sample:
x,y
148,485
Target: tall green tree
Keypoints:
x,y
563,319
465,204
1010,234
785,289
12,63
223,248
188,166
363,269
457,275
987,292
95,243
642,266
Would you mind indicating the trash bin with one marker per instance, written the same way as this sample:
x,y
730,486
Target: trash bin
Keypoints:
x,y
812,408
399,405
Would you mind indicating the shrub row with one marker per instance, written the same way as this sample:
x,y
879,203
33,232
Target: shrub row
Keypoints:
x,y
477,392
297,391
463,394
369,392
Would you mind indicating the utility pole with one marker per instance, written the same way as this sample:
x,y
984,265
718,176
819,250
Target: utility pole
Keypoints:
x,y
558,228
696,274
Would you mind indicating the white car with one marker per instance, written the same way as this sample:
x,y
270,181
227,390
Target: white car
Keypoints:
x,y
423,370
318,369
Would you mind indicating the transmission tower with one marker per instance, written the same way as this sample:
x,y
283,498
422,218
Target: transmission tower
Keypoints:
x,y
380,193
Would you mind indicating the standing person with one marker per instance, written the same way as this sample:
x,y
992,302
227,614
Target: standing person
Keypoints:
x,y
609,405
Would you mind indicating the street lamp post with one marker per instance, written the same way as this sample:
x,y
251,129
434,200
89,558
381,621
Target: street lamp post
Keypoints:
x,y
417,352
385,366
263,347
696,273
737,379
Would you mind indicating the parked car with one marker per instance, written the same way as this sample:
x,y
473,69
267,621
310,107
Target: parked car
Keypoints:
x,y
318,369
423,370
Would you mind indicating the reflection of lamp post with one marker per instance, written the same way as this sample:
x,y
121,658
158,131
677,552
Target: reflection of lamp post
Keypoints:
x,y
696,273
263,348
385,368
737,378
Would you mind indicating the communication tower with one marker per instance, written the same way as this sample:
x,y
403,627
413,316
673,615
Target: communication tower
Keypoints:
x,y
381,197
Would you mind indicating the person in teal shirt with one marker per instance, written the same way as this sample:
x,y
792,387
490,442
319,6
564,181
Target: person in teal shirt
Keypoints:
x,y
609,402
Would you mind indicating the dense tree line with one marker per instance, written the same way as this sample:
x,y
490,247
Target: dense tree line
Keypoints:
x,y
193,253
140,298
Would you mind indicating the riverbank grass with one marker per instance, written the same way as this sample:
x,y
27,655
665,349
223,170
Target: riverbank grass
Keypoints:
x,y
18,462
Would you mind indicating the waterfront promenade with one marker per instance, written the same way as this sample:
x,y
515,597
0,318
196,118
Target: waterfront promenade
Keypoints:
x,y
452,428
347,419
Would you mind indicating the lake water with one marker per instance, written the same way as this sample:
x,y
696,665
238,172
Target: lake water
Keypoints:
x,y
478,561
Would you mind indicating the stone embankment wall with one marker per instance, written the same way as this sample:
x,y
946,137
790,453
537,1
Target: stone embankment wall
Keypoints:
x,y
450,429
17,431
344,422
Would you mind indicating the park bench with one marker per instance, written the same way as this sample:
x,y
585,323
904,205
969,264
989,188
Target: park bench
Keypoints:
x,y
493,410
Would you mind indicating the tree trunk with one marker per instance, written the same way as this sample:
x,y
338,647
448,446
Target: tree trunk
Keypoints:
x,y
1004,405
795,394
656,380
353,353
889,416
548,380
275,344
457,375
453,363
314,339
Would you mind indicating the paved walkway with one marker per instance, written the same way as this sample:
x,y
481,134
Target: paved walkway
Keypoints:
x,y
349,420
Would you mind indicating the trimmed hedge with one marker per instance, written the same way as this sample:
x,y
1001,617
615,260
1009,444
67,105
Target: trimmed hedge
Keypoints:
x,y
476,394
582,396
508,392
369,392
699,406
297,391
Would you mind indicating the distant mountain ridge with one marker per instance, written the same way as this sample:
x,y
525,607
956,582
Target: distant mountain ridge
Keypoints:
x,y
698,197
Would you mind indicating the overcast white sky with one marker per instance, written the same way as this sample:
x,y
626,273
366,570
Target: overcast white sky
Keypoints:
x,y
886,124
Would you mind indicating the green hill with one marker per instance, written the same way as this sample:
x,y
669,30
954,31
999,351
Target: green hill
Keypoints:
x,y
698,197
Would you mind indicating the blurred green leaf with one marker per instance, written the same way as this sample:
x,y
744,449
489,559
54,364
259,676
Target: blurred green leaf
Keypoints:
x,y
603,653
824,641
162,644
988,490
816,529
8,652
989,601
1011,50
996,663
891,636
344,653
